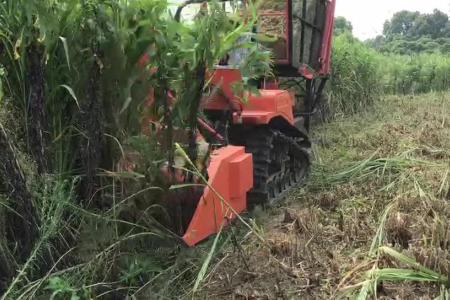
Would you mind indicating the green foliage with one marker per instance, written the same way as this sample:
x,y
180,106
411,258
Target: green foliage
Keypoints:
x,y
95,88
355,78
402,23
108,35
412,32
415,24
342,25
55,199
183,51
2,73
415,74
399,67
62,289
138,269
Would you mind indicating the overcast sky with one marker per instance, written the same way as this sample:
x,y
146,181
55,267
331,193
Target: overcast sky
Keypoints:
x,y
368,16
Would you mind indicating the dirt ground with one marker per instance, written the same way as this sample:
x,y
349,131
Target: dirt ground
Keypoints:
x,y
380,180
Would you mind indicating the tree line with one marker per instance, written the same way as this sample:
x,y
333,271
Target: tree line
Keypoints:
x,y
412,54
414,32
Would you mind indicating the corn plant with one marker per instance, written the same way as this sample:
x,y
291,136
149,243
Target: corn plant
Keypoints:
x,y
73,72
184,52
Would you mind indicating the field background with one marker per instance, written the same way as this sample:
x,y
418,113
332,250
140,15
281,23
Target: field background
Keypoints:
x,y
81,192
373,191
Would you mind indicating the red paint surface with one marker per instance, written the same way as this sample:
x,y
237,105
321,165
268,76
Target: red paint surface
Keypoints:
x,y
255,109
327,42
231,176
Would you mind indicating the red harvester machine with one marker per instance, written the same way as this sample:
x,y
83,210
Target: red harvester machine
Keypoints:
x,y
264,142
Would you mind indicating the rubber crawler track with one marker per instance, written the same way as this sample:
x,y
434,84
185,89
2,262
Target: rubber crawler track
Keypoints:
x,y
280,162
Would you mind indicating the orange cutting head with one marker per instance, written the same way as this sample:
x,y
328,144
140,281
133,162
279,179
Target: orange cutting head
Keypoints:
x,y
230,178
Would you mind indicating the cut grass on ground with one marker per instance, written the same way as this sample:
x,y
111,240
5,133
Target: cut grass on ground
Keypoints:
x,y
373,221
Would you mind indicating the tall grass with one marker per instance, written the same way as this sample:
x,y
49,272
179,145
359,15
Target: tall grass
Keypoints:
x,y
68,68
72,73
355,79
361,75
421,73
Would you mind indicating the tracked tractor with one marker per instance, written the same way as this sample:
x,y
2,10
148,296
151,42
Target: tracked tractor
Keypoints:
x,y
264,147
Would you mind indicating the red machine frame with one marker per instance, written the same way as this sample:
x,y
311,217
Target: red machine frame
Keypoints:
x,y
230,172
327,35
314,79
